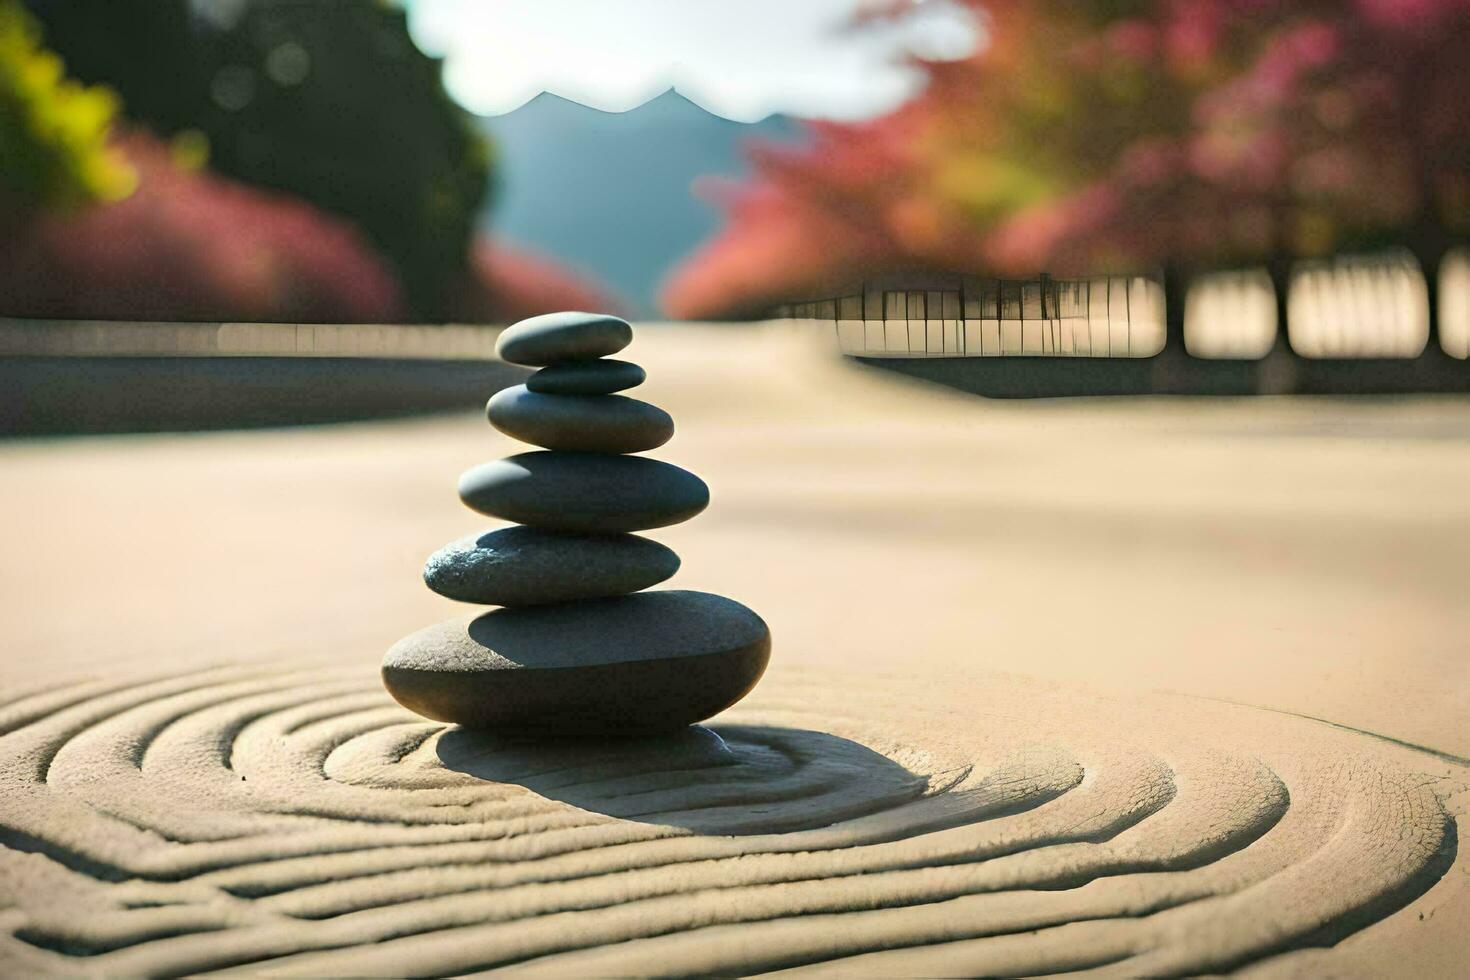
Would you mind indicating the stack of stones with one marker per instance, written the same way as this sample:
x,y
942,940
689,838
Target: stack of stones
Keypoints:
x,y
577,648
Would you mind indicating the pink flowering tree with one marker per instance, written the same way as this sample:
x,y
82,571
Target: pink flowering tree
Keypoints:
x,y
1088,137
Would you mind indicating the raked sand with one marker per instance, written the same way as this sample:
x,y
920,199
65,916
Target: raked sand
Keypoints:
x,y
1135,686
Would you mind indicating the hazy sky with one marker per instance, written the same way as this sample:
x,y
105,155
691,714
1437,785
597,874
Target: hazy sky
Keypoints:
x,y
740,58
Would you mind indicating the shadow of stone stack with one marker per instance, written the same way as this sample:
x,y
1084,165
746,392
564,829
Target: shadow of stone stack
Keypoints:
x,y
577,648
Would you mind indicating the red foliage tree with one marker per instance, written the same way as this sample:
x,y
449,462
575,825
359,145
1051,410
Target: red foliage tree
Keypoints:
x,y
187,245
190,245
1121,135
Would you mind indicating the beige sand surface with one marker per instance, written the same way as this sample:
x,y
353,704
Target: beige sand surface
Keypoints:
x,y
1034,705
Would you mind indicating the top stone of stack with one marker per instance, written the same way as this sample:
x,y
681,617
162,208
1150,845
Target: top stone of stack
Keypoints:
x,y
557,338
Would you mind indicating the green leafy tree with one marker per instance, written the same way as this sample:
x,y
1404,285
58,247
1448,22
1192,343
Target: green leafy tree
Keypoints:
x,y
327,101
53,131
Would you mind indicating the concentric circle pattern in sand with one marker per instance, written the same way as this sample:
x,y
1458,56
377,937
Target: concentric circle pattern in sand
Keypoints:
x,y
298,822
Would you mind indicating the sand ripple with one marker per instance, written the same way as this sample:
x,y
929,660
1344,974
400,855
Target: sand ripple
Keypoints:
x,y
297,822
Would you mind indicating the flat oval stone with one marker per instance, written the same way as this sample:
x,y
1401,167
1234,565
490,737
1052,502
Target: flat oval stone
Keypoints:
x,y
587,492
555,337
579,423
654,661
524,566
600,377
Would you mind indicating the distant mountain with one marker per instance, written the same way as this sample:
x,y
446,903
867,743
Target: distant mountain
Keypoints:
x,y
608,192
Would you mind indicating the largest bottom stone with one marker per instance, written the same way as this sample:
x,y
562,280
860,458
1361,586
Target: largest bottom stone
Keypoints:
x,y
645,662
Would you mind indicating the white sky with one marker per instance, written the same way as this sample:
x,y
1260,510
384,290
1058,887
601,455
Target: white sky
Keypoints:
x,y
743,59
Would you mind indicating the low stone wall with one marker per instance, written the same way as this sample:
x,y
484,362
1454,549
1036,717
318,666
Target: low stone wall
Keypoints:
x,y
60,377
58,395
1281,373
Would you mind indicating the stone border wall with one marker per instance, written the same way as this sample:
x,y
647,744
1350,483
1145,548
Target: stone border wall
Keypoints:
x,y
82,377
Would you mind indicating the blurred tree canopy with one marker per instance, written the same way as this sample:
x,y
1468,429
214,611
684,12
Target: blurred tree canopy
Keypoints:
x,y
188,244
53,132
1092,136
328,101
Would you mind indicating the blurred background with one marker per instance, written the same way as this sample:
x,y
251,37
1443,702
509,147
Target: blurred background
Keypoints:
x,y
424,161
1112,179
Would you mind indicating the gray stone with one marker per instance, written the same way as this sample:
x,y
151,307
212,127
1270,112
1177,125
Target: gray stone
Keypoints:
x,y
584,491
556,337
523,566
654,661
600,377
579,423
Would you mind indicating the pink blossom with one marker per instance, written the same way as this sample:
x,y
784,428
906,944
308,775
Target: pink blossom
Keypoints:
x,y
1135,40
